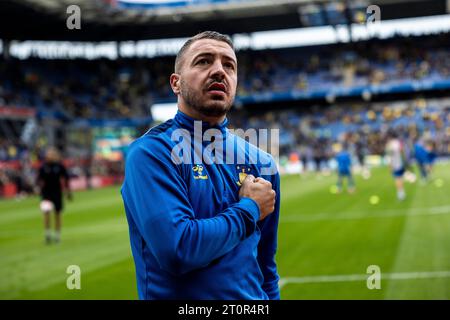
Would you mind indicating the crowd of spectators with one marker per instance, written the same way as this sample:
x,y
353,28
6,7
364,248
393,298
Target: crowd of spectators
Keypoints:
x,y
358,64
128,87
364,127
100,89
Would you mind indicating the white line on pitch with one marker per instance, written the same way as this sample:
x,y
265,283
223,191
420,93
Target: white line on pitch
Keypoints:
x,y
362,277
442,210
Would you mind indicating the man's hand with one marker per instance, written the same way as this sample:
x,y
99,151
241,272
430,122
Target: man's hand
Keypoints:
x,y
261,191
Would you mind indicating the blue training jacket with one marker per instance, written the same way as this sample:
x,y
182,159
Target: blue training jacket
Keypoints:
x,y
421,154
191,236
344,162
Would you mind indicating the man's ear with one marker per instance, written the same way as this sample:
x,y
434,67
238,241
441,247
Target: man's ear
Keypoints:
x,y
175,83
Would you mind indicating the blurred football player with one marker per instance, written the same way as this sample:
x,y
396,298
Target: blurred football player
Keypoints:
x,y
421,156
52,179
344,168
396,154
430,148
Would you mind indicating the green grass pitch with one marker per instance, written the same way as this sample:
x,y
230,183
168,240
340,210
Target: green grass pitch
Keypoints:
x,y
326,243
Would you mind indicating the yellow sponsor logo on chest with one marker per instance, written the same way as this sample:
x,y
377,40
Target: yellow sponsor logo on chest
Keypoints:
x,y
198,172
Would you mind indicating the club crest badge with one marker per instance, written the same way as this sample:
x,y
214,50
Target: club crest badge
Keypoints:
x,y
198,172
243,172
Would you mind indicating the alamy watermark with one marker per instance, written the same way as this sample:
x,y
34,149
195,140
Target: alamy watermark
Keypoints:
x,y
212,146
373,13
374,280
73,21
73,281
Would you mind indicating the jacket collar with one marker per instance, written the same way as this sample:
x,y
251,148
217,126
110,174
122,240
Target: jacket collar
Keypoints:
x,y
187,122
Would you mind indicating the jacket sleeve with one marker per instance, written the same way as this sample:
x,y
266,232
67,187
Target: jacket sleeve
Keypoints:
x,y
156,197
267,246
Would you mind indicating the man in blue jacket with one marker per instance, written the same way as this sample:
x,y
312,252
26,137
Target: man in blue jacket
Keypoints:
x,y
421,155
202,225
344,166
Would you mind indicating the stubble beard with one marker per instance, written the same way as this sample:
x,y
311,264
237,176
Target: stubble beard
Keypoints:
x,y
214,108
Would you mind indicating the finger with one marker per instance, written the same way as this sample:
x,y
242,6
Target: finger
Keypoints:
x,y
249,178
261,179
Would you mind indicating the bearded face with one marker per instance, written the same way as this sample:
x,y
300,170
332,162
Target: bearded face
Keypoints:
x,y
206,101
208,78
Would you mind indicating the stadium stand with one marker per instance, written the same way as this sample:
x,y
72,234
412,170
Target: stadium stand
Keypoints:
x,y
337,93
359,104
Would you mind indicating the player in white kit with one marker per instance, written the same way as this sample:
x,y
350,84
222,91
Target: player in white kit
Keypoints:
x,y
395,151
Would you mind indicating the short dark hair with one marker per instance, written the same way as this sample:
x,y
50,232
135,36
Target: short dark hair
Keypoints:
x,y
204,35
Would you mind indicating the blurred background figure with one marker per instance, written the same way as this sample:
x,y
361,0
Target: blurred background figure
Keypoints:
x,y
422,159
53,180
431,155
344,168
397,161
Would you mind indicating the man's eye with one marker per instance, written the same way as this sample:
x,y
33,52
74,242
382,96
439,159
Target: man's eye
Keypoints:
x,y
229,66
202,61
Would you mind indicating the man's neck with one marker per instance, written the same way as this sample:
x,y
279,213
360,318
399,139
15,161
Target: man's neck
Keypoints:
x,y
198,116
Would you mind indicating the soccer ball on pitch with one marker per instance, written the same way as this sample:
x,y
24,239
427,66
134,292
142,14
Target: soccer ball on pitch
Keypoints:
x,y
46,206
410,177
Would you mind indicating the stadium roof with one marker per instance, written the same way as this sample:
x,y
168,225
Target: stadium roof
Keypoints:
x,y
104,20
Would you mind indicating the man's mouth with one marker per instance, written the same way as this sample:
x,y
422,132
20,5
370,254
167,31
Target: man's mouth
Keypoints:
x,y
217,88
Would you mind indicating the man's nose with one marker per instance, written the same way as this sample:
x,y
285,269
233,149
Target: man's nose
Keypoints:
x,y
217,70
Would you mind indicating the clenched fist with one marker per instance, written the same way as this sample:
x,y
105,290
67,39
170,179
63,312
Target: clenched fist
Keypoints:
x,y
261,191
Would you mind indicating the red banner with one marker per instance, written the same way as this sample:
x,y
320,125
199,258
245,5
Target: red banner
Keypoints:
x,y
16,112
